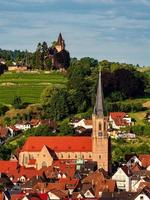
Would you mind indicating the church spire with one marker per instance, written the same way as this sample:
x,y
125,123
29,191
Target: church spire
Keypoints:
x,y
98,109
60,39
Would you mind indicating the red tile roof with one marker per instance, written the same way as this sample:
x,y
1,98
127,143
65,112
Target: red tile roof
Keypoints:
x,y
17,196
143,184
88,122
118,118
34,122
59,144
69,183
145,159
8,166
116,115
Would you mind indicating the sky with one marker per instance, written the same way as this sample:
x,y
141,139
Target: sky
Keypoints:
x,y
114,30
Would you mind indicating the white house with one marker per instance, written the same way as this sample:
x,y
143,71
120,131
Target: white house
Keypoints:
x,y
87,124
119,119
133,160
23,126
123,178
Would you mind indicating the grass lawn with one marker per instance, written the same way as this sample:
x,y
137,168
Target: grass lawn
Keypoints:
x,y
28,86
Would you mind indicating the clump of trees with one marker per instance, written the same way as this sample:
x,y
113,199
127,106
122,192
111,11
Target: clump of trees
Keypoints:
x,y
120,82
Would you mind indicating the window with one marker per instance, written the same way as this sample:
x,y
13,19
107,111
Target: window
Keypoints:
x,y
99,156
90,156
100,126
44,164
68,155
82,156
141,197
61,155
75,155
43,155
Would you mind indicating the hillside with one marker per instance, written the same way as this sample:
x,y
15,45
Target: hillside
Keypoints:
x,y
27,85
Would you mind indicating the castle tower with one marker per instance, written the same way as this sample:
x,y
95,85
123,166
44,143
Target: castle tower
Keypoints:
x,y
101,144
60,44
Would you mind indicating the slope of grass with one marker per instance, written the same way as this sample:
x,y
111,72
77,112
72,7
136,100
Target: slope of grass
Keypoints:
x,y
28,86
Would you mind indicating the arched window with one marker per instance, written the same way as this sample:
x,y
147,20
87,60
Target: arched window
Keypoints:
x,y
89,155
75,155
68,155
44,164
61,155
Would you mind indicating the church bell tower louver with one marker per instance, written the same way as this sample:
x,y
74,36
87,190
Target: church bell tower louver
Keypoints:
x,y
101,144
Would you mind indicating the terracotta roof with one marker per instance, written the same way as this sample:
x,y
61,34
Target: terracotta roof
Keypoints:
x,y
3,131
60,193
8,166
135,167
99,182
17,196
34,122
117,115
88,122
67,167
49,186
59,144
118,118
69,183
145,159
143,184
37,196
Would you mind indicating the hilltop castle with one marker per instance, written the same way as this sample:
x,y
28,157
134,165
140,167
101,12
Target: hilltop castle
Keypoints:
x,y
59,56
41,151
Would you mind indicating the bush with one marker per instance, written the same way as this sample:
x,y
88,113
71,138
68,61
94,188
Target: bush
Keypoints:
x,y
17,102
122,107
3,109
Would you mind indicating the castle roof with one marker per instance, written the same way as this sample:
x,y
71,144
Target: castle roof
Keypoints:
x,y
60,39
59,143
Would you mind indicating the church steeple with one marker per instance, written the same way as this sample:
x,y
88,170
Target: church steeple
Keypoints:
x,y
98,109
60,44
60,39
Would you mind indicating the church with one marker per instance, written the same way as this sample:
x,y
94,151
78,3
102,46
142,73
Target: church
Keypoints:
x,y
41,151
59,56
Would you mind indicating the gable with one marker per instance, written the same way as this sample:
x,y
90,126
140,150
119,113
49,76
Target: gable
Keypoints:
x,y
88,194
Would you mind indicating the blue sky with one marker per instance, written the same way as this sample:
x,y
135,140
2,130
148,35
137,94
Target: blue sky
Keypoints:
x,y
116,30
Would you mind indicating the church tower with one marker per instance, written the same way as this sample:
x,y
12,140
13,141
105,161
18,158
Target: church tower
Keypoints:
x,y
60,44
101,144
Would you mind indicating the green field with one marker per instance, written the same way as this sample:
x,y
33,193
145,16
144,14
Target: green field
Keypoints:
x,y
28,86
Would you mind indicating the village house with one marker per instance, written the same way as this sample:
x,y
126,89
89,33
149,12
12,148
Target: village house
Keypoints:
x,y
123,178
23,125
118,120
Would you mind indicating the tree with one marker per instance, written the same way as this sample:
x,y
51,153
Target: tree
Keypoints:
x,y
55,102
17,102
3,109
65,128
38,56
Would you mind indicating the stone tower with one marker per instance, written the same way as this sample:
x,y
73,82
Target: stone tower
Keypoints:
x,y
60,44
101,144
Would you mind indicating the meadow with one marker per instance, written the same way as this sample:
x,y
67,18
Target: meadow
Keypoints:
x,y
28,86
